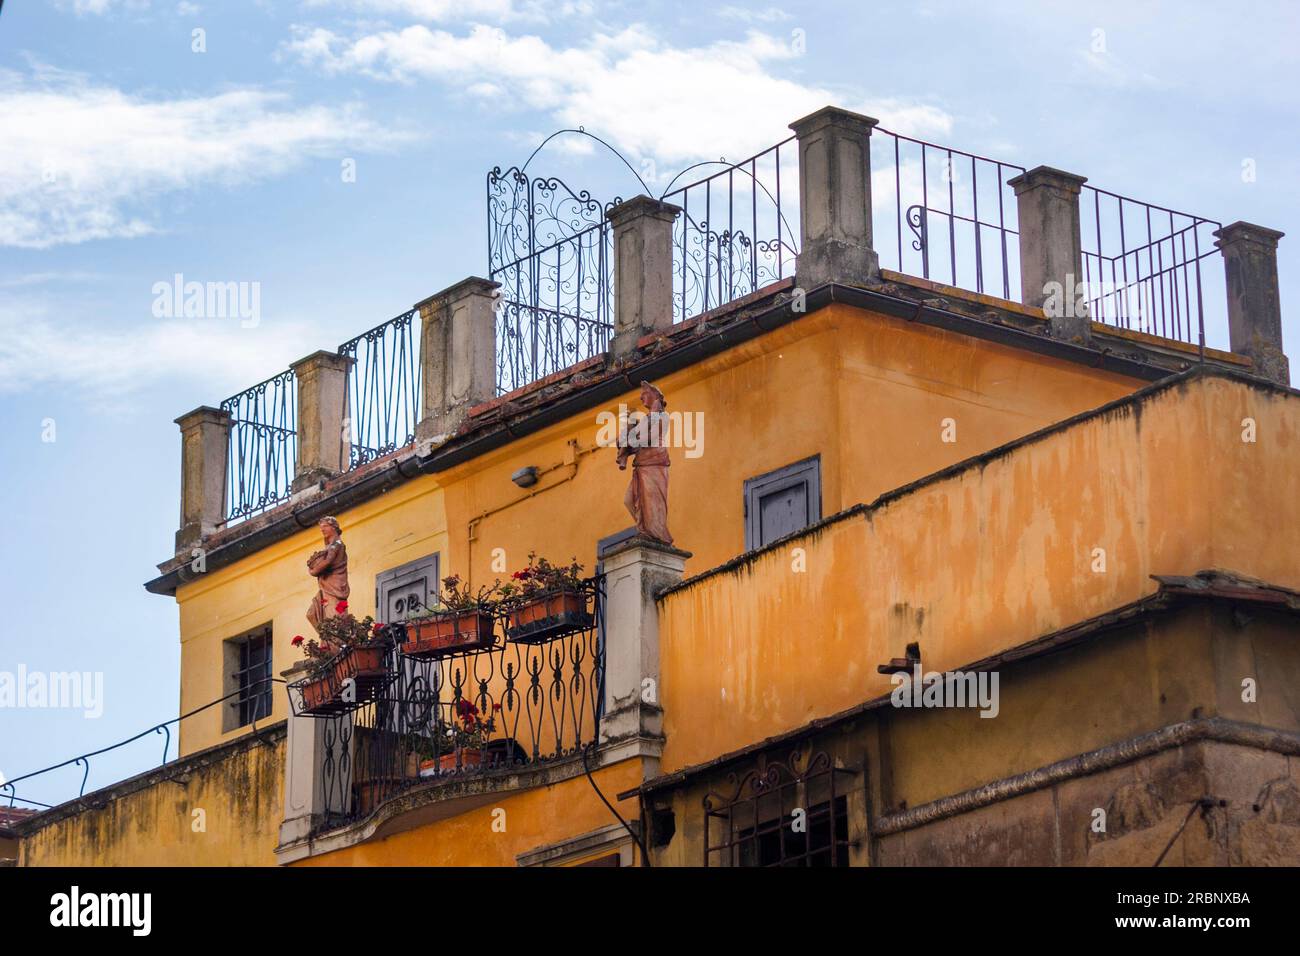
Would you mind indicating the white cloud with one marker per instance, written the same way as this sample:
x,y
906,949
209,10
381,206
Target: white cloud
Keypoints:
x,y
1106,69
746,15
43,278
437,11
674,105
100,7
37,351
83,161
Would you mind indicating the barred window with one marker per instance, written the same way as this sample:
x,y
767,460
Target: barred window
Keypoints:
x,y
248,666
794,813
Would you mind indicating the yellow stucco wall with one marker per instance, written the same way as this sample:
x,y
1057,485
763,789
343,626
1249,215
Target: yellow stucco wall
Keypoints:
x,y
224,811
487,837
982,560
1178,665
868,393
1111,688
272,587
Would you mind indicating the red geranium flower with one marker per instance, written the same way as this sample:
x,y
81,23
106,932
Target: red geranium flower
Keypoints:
x,y
297,640
341,607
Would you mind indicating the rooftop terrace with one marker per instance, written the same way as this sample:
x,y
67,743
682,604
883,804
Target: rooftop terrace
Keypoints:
x,y
879,207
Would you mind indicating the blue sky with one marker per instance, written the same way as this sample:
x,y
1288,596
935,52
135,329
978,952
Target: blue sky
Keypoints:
x,y
126,156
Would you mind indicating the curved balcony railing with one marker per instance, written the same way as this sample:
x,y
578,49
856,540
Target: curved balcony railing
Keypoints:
x,y
520,698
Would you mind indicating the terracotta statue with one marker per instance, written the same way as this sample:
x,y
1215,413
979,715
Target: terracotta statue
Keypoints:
x,y
329,566
647,445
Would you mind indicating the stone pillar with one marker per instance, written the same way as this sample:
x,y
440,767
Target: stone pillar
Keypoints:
x,y
205,452
458,354
636,570
324,444
643,270
1051,249
835,242
1254,305
307,799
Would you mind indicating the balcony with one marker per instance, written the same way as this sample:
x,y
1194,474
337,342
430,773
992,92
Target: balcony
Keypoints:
x,y
483,698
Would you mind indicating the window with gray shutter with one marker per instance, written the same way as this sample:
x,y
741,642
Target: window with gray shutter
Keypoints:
x,y
402,591
782,502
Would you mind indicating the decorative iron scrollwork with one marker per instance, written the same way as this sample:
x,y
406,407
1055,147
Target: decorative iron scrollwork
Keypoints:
x,y
535,702
551,248
263,455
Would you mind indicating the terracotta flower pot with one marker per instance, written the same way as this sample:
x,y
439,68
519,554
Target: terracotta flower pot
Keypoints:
x,y
446,763
366,666
548,616
360,662
319,696
449,633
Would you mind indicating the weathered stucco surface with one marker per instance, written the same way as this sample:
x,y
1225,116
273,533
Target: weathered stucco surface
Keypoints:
x,y
984,558
869,394
1178,668
221,807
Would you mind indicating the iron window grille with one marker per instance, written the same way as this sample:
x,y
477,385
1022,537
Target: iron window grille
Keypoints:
x,y
254,678
791,813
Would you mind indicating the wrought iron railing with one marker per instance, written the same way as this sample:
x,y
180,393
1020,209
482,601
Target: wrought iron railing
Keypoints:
x,y
738,230
236,698
383,408
937,212
948,215
957,210
536,702
1142,266
383,387
551,250
263,453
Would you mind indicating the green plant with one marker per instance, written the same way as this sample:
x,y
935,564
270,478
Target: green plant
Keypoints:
x,y
318,655
337,633
456,596
468,729
422,746
344,630
540,577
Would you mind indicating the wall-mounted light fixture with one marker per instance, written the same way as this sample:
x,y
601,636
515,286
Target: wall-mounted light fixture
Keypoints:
x,y
525,477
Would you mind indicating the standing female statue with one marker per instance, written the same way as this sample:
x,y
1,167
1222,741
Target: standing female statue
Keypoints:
x,y
647,445
329,566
